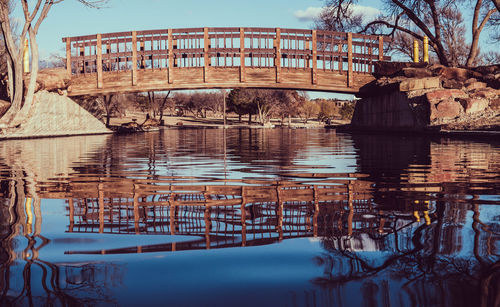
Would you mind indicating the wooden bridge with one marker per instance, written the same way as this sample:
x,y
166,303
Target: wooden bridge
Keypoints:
x,y
208,58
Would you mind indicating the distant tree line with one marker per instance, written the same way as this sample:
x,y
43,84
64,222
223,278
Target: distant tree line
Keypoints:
x,y
258,105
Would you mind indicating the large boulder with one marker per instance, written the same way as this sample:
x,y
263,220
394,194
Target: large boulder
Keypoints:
x,y
445,110
454,73
445,104
391,69
435,97
473,105
51,79
490,69
495,104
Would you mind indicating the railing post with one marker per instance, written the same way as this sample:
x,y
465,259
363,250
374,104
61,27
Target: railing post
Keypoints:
x,y
68,56
71,206
380,48
205,53
99,61
136,209
314,57
426,49
134,58
242,54
277,51
350,77
415,51
101,207
170,56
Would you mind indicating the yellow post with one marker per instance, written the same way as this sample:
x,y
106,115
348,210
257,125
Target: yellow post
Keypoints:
x,y
26,57
29,214
417,216
426,49
415,51
427,218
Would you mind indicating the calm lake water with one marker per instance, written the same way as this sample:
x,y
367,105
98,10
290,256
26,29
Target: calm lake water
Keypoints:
x,y
264,217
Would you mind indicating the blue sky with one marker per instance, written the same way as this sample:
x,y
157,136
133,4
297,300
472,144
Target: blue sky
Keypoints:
x,y
70,18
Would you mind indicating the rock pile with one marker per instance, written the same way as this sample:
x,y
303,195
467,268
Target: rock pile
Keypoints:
x,y
442,96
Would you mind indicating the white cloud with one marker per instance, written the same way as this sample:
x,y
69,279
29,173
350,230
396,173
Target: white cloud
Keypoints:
x,y
308,14
367,11
311,13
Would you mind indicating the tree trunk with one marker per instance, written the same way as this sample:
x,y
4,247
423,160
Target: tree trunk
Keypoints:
x,y
249,118
476,32
16,57
239,118
497,4
107,105
162,106
17,100
30,91
10,81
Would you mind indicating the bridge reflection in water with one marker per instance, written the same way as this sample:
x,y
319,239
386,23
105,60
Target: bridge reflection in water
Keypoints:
x,y
423,225
227,215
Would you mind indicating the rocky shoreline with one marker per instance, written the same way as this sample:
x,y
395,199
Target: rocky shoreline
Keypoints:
x,y
417,96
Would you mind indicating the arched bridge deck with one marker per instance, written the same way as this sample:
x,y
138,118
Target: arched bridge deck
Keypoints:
x,y
203,58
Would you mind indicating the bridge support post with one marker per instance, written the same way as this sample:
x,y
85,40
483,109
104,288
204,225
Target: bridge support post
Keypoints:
x,y
242,55
99,60
101,206
170,56
134,58
68,56
314,57
350,77
206,58
380,48
277,53
136,208
71,206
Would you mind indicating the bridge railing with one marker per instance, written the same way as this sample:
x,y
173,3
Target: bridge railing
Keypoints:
x,y
345,53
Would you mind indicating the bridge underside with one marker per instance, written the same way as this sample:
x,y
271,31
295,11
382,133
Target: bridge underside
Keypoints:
x,y
214,78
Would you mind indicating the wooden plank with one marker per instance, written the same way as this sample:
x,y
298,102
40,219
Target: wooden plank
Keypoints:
x,y
314,57
99,61
68,56
350,77
192,78
277,54
206,59
134,58
380,48
170,57
242,55
101,207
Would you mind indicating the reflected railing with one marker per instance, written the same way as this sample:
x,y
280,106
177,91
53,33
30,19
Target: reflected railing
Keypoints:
x,y
230,213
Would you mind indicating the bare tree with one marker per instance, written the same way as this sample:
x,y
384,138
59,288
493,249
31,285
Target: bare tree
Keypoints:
x,y
417,18
108,105
33,18
309,109
482,10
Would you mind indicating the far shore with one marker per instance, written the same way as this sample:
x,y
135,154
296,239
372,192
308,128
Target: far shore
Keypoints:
x,y
218,122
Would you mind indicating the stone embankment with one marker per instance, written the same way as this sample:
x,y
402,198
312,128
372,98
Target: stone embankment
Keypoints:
x,y
52,114
412,96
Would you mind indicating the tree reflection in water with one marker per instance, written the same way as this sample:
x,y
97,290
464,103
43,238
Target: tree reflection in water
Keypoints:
x,y
43,282
432,263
